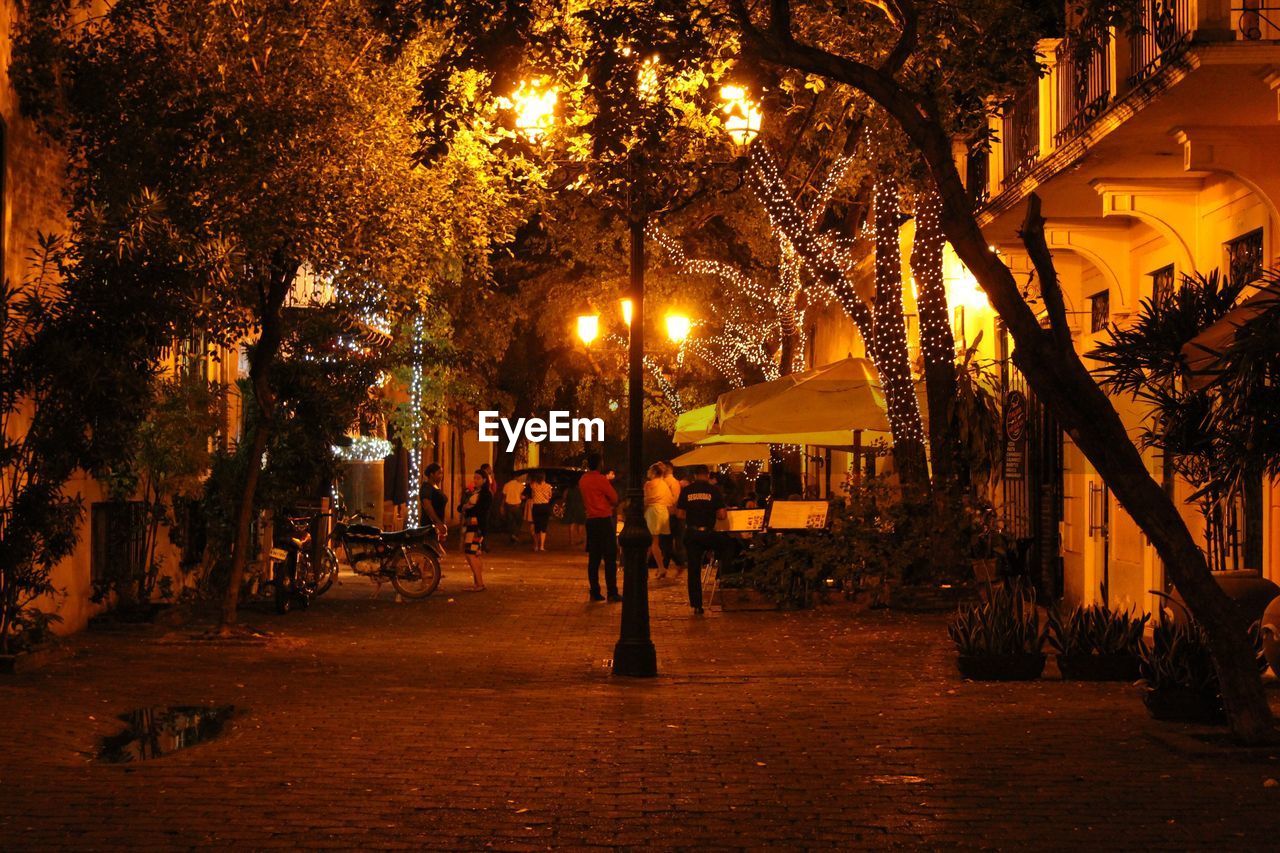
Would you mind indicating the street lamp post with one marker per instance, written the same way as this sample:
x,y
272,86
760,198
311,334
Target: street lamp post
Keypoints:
x,y
634,654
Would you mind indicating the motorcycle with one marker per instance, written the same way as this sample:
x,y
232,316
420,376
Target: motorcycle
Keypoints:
x,y
410,559
292,572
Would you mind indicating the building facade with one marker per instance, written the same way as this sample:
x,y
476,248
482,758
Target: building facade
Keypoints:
x,y
1155,158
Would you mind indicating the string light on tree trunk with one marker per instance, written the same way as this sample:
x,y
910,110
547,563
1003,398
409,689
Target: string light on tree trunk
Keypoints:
x,y
890,330
416,358
937,343
830,259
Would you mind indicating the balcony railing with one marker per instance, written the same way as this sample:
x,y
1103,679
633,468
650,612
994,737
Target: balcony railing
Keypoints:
x,y
1084,81
1166,31
1256,20
1020,134
1086,73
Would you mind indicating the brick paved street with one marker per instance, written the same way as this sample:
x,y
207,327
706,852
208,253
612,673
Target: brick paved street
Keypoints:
x,y
490,720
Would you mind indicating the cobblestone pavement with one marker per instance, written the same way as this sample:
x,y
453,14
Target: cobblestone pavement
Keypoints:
x,y
490,720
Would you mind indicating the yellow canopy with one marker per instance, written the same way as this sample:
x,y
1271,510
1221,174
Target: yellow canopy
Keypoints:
x,y
821,407
723,454
692,426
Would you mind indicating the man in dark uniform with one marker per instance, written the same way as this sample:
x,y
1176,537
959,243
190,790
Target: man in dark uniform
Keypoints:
x,y
700,506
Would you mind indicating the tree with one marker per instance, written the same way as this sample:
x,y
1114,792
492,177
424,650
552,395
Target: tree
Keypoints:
x,y
169,461
881,324
37,522
910,82
224,146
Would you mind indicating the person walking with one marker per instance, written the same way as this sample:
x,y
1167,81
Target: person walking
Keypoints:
x,y
540,497
678,555
600,501
701,505
657,514
513,507
476,507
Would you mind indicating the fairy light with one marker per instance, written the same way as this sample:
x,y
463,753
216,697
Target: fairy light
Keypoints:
x,y
829,258
761,313
890,330
412,509
824,257
937,343
669,392
364,448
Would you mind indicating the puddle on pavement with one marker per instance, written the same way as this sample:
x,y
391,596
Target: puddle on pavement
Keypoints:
x,y
156,732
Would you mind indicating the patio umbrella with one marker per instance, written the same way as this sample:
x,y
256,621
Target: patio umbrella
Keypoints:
x,y
692,426
723,454
823,407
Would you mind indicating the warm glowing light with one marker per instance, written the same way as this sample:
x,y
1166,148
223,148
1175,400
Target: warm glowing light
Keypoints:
x,y
965,292
678,327
742,115
588,327
626,311
534,109
648,82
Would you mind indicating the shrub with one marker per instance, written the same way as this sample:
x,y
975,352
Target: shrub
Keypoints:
x,y
1097,630
1007,623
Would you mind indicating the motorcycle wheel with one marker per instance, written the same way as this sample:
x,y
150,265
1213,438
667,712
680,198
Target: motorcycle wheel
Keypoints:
x,y
417,573
327,574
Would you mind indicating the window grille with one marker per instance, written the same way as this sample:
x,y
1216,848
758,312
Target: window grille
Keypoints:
x,y
1244,257
1099,310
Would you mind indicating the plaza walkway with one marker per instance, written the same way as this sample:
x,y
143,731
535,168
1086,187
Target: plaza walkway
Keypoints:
x,y
490,720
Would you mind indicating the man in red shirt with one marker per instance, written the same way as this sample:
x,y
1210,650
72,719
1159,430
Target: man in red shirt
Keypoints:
x,y
600,500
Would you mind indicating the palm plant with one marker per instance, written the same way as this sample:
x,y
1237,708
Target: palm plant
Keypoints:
x,y
975,417
1214,434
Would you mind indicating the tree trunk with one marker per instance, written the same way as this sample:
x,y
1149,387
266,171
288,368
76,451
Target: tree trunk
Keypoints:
x,y
900,395
261,361
1057,375
937,344
890,335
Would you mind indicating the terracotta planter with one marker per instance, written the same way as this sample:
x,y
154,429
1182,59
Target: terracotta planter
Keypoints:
x,y
1183,705
1021,667
1098,667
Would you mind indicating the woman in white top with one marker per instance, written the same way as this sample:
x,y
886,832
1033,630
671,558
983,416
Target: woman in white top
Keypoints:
x,y
658,501
540,497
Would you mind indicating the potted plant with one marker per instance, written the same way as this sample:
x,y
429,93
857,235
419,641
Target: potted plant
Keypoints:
x,y
1178,677
1096,643
999,639
1178,674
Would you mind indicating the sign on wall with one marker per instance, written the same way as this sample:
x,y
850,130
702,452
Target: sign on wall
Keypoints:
x,y
1015,435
